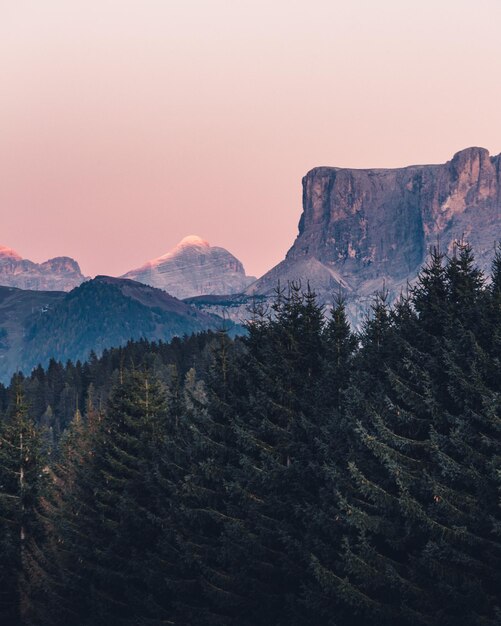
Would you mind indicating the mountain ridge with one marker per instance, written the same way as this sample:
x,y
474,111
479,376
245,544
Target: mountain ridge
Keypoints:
x,y
60,273
359,229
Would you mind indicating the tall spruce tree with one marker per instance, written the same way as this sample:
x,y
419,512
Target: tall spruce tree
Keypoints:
x,y
421,552
368,577
333,446
196,469
22,484
277,477
107,522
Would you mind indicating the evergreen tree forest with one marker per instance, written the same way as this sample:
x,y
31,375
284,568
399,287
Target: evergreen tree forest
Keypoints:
x,y
304,474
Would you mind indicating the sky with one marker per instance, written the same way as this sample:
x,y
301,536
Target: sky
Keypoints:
x,y
126,125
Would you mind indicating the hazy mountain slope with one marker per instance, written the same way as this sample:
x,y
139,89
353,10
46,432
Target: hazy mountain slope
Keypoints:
x,y
101,313
17,307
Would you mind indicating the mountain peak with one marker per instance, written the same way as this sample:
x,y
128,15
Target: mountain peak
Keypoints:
x,y
471,152
6,252
193,240
58,274
194,268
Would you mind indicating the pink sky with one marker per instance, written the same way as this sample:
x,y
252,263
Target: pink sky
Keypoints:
x,y
126,125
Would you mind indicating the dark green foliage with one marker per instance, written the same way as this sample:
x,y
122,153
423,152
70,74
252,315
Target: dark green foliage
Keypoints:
x,y
421,549
277,438
300,475
103,313
22,487
114,529
54,394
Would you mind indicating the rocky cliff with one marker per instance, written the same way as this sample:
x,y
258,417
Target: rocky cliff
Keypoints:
x,y
360,228
194,268
58,274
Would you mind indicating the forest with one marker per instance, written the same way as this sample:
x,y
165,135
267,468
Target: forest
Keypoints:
x,y
303,474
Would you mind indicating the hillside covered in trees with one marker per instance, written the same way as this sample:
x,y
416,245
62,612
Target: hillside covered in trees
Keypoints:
x,y
102,313
299,475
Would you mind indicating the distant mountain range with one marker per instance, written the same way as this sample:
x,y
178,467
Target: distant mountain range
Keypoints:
x,y
359,227
192,268
104,312
359,230
59,274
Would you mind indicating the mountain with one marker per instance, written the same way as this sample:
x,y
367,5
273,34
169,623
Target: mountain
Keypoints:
x,y
104,312
58,274
361,229
194,268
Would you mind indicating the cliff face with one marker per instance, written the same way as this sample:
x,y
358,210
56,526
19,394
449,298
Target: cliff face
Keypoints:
x,y
360,227
194,268
58,274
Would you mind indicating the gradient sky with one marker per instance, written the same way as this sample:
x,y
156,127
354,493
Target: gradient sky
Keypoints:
x,y
126,125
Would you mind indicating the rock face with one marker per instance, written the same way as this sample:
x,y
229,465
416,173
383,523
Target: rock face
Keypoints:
x,y
58,274
362,227
194,268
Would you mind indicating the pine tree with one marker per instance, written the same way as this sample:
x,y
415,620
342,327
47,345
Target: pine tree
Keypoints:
x,y
363,573
199,460
22,481
420,551
340,345
466,444
277,478
465,288
107,524
47,576
429,295
333,446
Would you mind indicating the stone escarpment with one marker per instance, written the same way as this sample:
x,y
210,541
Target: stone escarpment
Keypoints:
x,y
362,228
58,274
194,268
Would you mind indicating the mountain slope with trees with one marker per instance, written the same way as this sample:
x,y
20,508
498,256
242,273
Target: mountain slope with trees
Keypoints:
x,y
99,314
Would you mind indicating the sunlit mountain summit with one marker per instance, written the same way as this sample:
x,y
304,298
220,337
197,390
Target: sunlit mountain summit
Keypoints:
x,y
57,274
194,267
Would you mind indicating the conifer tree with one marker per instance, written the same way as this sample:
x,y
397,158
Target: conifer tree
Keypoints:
x,y
465,289
466,444
420,556
108,523
278,477
340,345
332,448
48,578
22,479
366,494
200,459
429,295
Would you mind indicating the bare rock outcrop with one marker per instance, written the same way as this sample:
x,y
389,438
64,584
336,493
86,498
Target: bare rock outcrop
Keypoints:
x,y
194,268
58,274
362,228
